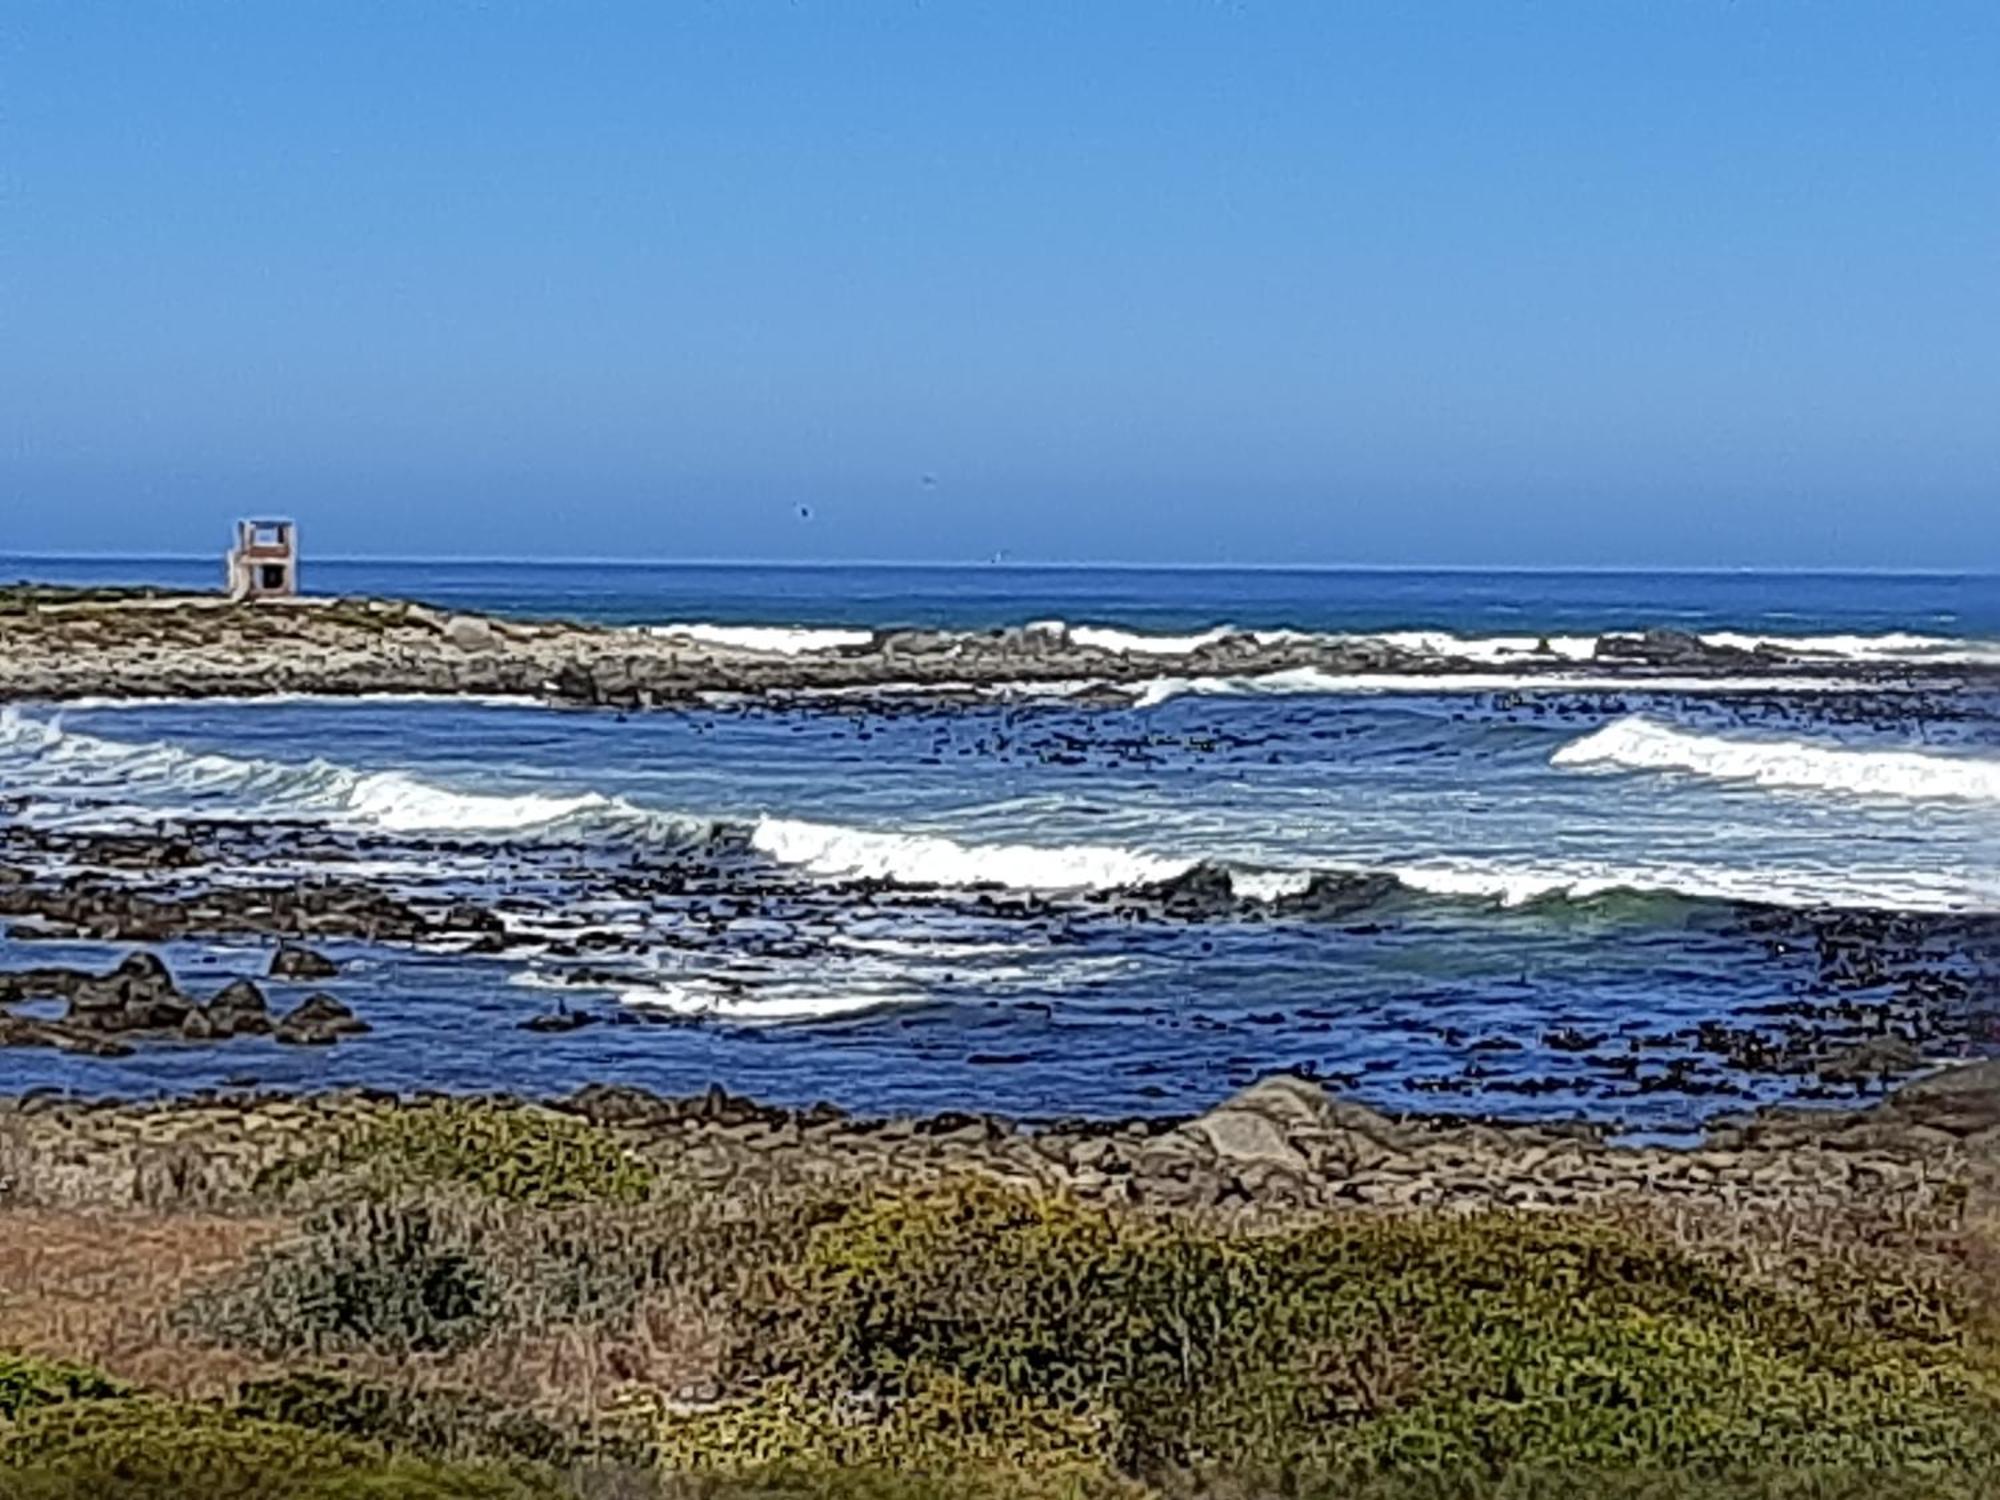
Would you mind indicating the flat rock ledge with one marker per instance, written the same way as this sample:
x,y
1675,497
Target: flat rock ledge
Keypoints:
x,y
1282,1145
55,646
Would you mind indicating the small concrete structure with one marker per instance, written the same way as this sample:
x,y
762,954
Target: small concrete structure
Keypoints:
x,y
264,563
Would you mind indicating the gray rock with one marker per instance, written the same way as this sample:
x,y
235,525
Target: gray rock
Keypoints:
x,y
294,962
318,1021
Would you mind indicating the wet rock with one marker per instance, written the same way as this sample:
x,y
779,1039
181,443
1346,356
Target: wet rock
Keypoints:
x,y
1880,1057
1332,897
138,995
318,1021
1962,1100
560,1020
239,1009
19,1031
1669,648
292,962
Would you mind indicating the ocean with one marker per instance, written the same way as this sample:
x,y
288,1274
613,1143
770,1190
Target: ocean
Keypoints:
x,y
1484,893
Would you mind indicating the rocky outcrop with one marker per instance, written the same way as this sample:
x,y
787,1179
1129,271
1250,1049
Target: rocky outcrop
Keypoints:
x,y
139,999
319,1021
202,647
293,963
1283,1145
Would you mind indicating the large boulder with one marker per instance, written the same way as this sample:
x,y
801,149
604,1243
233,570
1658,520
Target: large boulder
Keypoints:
x,y
1962,1100
318,1021
238,1010
293,962
138,995
1274,1138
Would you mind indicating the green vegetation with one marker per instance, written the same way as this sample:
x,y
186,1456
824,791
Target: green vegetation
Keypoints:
x,y
1445,1346
487,1300
513,1152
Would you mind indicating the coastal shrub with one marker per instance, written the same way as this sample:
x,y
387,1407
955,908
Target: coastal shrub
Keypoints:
x,y
396,1278
154,1450
26,1382
435,1421
1356,1345
515,1153
826,1483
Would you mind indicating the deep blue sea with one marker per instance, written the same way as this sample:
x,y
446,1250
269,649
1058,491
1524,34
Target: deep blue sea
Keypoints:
x,y
1533,898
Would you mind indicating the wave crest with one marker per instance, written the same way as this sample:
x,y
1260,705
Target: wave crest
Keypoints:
x,y
1637,743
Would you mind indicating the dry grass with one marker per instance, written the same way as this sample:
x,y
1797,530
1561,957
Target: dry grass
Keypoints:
x,y
98,1286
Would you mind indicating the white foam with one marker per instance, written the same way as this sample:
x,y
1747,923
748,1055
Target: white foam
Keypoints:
x,y
392,801
1132,643
1892,646
941,949
1512,883
398,803
1301,681
1269,885
1638,743
1497,649
771,640
707,1001
831,850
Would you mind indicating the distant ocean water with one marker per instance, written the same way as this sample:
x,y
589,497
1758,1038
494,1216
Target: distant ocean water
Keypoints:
x,y
1168,600
1530,864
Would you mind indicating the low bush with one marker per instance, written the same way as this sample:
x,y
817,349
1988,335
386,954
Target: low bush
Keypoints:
x,y
1356,1346
391,1277
26,1382
516,1153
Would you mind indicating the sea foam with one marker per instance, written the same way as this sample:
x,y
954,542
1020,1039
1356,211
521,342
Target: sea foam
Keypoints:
x,y
1640,744
833,850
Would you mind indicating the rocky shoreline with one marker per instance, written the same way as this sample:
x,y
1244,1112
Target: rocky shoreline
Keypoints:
x,y
1282,1145
56,646
1881,993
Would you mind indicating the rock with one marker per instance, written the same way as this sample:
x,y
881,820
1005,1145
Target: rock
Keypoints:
x,y
1879,1057
138,995
318,1021
19,1031
1962,1100
238,1010
294,962
1331,897
560,1020
618,1104
1201,892
470,633
1667,648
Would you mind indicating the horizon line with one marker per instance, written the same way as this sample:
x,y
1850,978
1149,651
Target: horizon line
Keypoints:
x,y
1025,565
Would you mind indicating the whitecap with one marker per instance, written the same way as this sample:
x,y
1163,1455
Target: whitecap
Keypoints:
x,y
829,849
771,640
697,1000
1641,744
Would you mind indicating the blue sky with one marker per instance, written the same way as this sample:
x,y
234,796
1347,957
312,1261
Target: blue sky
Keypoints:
x,y
1567,283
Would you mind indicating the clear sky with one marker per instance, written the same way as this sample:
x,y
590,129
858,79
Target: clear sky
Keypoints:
x,y
1595,283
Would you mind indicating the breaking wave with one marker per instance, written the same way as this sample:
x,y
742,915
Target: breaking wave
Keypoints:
x,y
66,762
1887,649
59,766
1637,743
832,850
